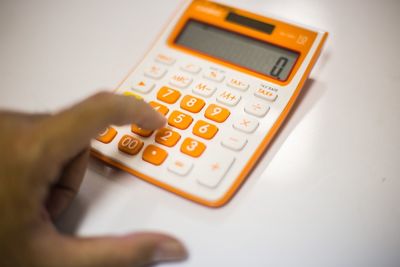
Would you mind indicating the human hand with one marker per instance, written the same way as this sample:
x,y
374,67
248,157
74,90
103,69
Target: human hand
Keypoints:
x,y
43,159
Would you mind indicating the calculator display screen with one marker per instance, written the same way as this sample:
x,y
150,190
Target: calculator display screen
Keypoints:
x,y
238,49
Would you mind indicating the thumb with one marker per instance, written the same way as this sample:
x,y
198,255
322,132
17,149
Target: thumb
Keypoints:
x,y
140,249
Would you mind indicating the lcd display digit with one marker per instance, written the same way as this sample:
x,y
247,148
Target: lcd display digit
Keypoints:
x,y
237,49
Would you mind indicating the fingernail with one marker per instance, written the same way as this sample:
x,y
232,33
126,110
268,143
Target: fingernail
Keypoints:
x,y
170,251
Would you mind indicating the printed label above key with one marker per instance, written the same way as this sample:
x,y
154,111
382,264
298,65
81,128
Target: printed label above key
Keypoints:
x,y
229,98
164,59
257,108
180,80
143,86
214,75
266,94
191,68
204,89
238,84
155,72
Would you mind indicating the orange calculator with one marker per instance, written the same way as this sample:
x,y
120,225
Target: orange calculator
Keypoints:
x,y
226,79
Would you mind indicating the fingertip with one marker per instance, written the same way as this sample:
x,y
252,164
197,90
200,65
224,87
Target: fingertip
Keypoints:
x,y
153,119
170,250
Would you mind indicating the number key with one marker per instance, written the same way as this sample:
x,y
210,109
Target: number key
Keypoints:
x,y
139,131
160,108
192,147
192,104
107,135
130,145
168,95
167,137
180,120
205,130
217,113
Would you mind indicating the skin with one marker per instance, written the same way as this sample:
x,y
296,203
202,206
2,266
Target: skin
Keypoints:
x,y
43,159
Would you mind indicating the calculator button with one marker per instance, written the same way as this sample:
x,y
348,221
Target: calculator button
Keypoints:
x,y
154,155
143,86
133,94
168,95
193,147
180,80
234,142
214,76
266,94
155,72
205,130
130,145
192,104
204,89
246,125
164,59
107,135
180,120
257,108
191,68
180,166
217,113
229,98
139,131
213,170
167,137
238,84
160,108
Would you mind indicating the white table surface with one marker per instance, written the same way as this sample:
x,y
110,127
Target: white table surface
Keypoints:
x,y
326,193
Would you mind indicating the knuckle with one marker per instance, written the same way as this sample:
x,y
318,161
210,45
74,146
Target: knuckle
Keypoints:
x,y
27,150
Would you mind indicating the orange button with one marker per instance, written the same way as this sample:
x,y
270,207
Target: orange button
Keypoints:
x,y
180,120
154,155
192,104
160,108
205,130
217,113
107,135
168,95
192,147
167,137
139,131
130,145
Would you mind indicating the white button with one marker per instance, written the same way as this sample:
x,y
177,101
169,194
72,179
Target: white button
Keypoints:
x,y
143,86
204,89
191,68
257,108
180,80
213,169
164,59
246,125
155,72
214,76
238,84
180,166
234,142
229,98
266,94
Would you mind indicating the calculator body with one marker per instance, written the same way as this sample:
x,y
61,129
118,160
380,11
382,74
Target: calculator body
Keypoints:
x,y
235,76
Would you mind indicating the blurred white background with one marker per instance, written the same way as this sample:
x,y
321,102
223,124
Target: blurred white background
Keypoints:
x,y
326,193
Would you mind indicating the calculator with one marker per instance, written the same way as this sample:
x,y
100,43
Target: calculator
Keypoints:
x,y
226,79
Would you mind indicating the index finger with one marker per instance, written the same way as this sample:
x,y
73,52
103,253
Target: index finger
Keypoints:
x,y
68,132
